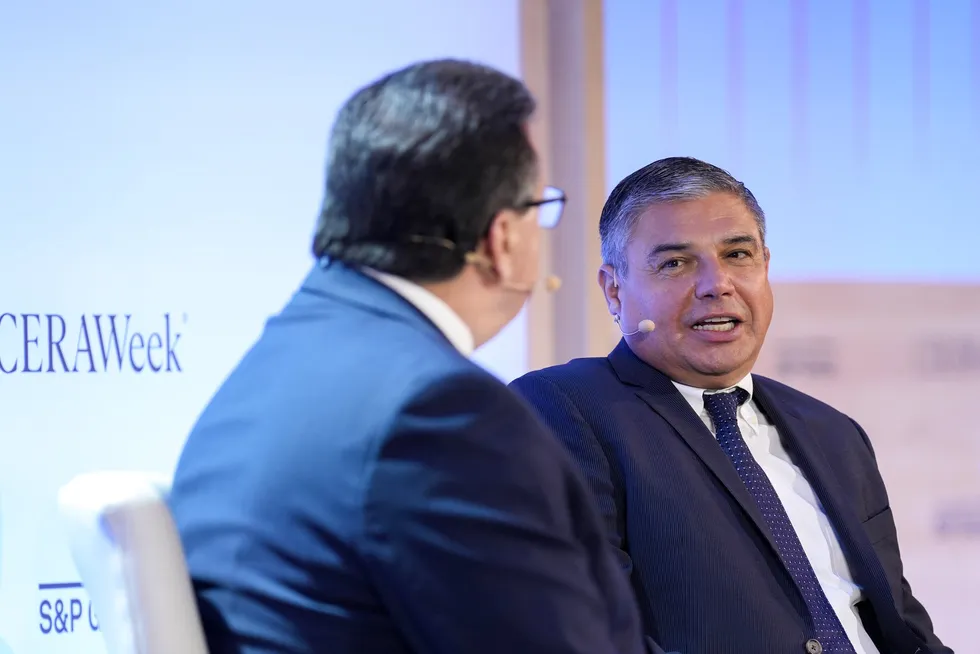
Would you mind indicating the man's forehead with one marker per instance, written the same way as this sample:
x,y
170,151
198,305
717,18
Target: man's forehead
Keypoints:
x,y
654,228
714,206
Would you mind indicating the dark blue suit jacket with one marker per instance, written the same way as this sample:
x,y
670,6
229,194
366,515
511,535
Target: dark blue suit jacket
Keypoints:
x,y
685,528
357,486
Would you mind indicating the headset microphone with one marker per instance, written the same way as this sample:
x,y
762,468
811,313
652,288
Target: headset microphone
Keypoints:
x,y
551,284
645,326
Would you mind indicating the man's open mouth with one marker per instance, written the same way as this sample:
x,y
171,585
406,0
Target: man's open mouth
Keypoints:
x,y
718,324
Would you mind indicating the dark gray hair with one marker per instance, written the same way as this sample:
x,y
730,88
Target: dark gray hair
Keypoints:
x,y
419,163
674,179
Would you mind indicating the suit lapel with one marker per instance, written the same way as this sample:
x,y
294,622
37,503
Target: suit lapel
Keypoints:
x,y
654,388
861,557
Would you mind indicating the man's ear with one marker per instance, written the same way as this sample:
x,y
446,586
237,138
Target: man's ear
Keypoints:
x,y
609,283
765,251
499,244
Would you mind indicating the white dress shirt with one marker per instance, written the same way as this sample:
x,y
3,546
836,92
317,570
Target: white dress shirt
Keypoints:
x,y
432,307
802,506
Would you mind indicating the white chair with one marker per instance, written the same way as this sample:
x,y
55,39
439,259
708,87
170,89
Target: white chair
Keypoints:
x,y
127,551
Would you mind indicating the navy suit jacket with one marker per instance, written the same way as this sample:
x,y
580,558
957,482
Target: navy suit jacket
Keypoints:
x,y
686,530
358,486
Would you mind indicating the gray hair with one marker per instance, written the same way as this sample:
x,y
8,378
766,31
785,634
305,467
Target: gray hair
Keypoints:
x,y
675,179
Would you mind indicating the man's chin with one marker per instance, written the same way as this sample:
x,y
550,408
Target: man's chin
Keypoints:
x,y
727,370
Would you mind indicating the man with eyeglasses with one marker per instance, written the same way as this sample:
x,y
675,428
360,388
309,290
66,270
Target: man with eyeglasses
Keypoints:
x,y
358,484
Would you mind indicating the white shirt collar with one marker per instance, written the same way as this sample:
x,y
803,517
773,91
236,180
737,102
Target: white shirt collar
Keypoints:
x,y
695,396
432,307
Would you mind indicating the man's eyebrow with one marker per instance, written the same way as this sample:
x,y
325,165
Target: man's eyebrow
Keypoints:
x,y
741,238
736,239
667,247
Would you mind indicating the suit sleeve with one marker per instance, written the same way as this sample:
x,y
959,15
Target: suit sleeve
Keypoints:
x,y
913,611
566,422
564,419
479,537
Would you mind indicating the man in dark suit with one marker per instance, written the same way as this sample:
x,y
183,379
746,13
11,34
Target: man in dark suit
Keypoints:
x,y
750,517
358,485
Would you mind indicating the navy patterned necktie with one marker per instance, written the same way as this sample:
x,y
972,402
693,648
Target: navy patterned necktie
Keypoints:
x,y
723,409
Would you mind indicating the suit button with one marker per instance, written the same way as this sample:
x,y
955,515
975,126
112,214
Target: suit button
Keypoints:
x,y
813,646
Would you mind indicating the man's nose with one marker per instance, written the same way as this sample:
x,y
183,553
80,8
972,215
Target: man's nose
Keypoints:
x,y
713,281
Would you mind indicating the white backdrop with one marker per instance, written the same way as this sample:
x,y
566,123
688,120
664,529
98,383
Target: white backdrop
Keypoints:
x,y
162,163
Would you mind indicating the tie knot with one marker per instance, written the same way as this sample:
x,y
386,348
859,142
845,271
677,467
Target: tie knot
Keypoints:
x,y
723,407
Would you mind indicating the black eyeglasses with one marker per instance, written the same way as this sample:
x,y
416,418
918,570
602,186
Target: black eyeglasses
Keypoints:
x,y
550,206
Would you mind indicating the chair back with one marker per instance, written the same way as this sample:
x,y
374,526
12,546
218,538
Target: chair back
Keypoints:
x,y
127,550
